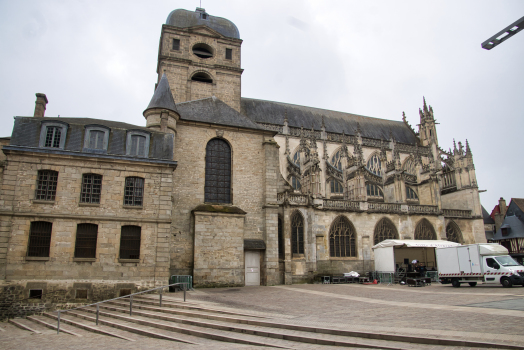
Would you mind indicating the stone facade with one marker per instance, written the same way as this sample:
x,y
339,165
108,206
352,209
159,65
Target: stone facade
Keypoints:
x,y
312,200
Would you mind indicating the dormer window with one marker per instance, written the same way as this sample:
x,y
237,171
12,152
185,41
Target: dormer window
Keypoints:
x,y
137,144
53,134
96,138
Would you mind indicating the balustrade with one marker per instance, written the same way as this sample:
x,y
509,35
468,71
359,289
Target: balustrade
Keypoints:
x,y
457,213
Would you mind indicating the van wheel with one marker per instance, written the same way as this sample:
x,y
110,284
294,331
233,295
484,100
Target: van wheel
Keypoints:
x,y
472,284
455,283
506,283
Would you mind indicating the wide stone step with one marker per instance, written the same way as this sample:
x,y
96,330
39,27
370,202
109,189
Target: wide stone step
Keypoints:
x,y
22,324
44,322
152,332
186,306
265,332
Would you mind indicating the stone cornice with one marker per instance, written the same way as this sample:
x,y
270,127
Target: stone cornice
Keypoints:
x,y
86,217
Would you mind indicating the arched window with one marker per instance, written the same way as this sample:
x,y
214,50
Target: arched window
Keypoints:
x,y
453,233
409,167
342,238
374,191
335,161
384,230
218,172
425,231
374,164
411,194
202,77
297,233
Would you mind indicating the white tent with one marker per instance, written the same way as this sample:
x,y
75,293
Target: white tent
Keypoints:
x,y
385,259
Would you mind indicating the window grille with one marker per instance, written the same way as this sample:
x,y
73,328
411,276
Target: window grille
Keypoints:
x,y
409,167
134,191
425,231
374,191
91,188
130,242
342,241
374,165
336,187
384,230
336,162
410,194
229,54
46,185
39,239
297,234
138,146
52,138
453,233
176,44
86,236
218,172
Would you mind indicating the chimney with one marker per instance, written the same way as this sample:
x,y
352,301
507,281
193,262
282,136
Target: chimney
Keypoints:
x,y
40,105
502,206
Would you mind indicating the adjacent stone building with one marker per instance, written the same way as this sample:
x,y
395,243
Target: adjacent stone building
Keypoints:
x,y
230,190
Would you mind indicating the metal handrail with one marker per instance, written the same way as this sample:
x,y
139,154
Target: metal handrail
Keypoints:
x,y
130,296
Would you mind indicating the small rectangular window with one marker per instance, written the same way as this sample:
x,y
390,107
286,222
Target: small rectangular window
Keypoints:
x,y
176,44
130,242
39,239
52,138
86,236
91,188
35,294
229,54
81,294
134,191
46,185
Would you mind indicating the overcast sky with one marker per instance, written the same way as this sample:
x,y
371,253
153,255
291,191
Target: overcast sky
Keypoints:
x,y
97,59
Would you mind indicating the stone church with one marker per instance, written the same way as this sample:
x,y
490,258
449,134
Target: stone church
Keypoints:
x,y
233,191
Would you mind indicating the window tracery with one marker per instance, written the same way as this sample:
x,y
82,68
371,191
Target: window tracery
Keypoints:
x,y
336,187
374,191
374,165
384,230
342,239
295,183
336,160
425,231
411,194
297,234
409,167
218,172
453,233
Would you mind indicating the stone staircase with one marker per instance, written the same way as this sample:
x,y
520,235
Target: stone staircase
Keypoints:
x,y
201,324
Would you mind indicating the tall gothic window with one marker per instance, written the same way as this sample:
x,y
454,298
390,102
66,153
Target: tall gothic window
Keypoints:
x,y
336,162
295,183
374,191
342,238
409,167
384,230
297,233
296,158
336,187
425,231
411,194
453,233
281,250
374,164
218,172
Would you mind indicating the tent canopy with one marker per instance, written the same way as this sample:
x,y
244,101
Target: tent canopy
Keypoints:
x,y
409,243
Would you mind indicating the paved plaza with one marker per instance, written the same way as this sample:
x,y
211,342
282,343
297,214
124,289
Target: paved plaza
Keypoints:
x,y
483,313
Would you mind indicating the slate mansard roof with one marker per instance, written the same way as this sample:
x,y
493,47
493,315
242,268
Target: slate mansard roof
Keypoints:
x,y
185,19
27,131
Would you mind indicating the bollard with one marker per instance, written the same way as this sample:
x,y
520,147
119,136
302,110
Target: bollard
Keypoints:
x,y
97,312
131,305
58,325
184,291
160,297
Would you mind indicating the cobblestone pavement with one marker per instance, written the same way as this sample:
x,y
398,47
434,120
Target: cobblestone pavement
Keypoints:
x,y
483,313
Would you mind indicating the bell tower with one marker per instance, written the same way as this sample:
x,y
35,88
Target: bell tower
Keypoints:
x,y
200,55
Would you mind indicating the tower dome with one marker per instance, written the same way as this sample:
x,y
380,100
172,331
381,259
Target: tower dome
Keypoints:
x,y
184,19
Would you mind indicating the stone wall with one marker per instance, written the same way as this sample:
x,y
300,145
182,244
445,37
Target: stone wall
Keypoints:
x,y
18,208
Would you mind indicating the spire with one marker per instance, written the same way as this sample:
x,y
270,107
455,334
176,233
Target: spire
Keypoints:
x,y
162,98
468,150
359,131
404,117
455,151
313,139
426,112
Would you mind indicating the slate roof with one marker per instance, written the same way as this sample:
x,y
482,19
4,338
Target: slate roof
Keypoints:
x,y
162,98
519,202
516,228
487,218
214,111
185,19
271,112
